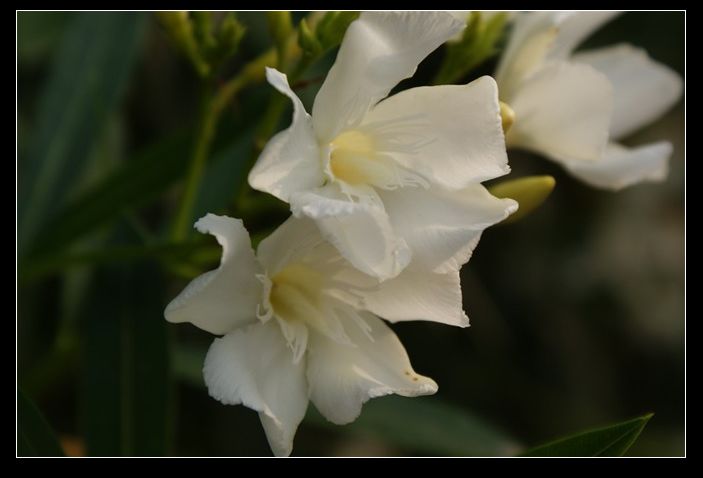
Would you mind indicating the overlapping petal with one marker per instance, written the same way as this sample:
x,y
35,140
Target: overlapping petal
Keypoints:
x,y
563,111
361,231
442,227
643,88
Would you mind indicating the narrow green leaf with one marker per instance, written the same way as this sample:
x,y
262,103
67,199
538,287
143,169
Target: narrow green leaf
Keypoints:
x,y
224,177
131,185
38,33
613,440
85,84
34,435
125,393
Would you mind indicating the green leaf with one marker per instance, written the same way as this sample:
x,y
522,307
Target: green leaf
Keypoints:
x,y
85,85
126,389
332,28
613,440
477,44
34,435
38,33
130,185
426,425
225,176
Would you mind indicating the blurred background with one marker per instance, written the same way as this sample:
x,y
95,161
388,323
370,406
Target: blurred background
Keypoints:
x,y
577,311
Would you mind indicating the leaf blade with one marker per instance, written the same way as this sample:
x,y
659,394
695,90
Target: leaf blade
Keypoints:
x,y
86,83
613,440
34,435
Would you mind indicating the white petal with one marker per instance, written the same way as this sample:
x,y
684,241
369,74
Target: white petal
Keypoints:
x,y
360,231
540,37
451,134
574,28
622,167
643,89
343,377
379,49
254,367
418,294
221,300
290,161
563,112
441,227
531,37
292,240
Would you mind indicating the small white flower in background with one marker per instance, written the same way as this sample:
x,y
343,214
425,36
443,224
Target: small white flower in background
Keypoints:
x,y
299,323
387,181
572,107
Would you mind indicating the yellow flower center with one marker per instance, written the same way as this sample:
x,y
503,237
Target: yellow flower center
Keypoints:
x,y
295,292
353,158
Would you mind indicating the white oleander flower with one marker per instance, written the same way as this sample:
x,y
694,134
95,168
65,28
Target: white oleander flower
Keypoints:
x,y
572,108
300,323
390,179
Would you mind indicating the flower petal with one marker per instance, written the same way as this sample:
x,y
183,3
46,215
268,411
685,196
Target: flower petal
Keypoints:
x,y
531,37
226,298
563,112
622,167
255,368
643,89
379,49
360,231
574,28
290,161
343,377
540,37
441,227
417,294
451,134
292,240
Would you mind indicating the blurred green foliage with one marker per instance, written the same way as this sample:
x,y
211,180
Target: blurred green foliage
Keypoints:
x,y
577,311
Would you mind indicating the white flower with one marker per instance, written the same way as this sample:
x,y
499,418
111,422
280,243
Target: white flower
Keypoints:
x,y
571,107
389,180
299,323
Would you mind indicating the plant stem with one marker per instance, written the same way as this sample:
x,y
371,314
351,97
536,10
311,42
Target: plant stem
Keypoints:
x,y
212,106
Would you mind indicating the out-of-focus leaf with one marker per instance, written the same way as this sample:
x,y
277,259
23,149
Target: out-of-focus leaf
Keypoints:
x,y
38,34
427,426
224,177
114,254
135,183
34,435
477,44
86,82
125,393
613,440
143,179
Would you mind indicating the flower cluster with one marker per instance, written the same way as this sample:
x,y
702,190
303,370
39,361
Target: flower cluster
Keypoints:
x,y
387,205
572,107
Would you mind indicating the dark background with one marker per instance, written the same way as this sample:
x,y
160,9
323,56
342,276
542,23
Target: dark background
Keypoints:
x,y
577,312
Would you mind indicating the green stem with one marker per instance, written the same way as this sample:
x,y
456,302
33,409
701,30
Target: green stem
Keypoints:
x,y
205,132
213,104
